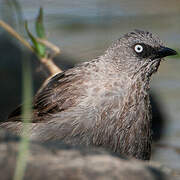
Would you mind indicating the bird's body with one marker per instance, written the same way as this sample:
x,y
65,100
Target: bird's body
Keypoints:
x,y
103,102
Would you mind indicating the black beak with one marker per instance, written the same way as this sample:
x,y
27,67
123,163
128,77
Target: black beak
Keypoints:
x,y
164,51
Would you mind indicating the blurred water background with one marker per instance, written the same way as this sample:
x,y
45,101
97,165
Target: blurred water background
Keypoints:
x,y
83,29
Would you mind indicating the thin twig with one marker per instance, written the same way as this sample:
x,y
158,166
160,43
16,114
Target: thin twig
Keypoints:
x,y
11,31
48,63
49,45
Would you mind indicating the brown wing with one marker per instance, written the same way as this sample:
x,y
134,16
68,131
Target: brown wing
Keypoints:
x,y
59,94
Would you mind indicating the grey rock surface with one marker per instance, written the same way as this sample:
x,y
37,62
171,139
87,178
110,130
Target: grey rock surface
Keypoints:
x,y
56,161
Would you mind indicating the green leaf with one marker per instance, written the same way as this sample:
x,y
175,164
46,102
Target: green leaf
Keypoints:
x,y
40,31
38,47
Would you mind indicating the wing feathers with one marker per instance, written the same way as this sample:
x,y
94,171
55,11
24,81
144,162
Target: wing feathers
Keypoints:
x,y
59,94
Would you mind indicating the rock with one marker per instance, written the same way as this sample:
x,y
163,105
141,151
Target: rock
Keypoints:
x,y
54,160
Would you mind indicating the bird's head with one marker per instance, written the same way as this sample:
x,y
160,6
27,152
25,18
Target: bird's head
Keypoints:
x,y
138,52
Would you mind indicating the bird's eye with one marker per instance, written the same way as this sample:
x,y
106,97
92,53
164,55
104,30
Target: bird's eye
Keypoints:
x,y
138,48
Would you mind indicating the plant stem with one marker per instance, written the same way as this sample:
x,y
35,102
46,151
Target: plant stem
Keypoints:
x,y
26,118
11,31
48,62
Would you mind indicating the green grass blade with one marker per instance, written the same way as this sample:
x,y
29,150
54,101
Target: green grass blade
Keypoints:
x,y
26,117
38,47
40,30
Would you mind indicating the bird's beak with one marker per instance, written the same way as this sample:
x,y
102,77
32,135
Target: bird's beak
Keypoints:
x,y
165,51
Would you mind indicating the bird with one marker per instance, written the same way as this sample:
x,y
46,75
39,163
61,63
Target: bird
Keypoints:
x,y
103,102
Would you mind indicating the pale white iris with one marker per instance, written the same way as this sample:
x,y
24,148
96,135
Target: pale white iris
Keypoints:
x,y
138,48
